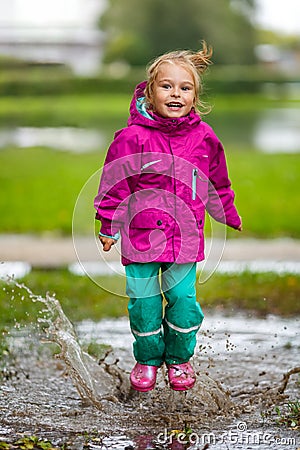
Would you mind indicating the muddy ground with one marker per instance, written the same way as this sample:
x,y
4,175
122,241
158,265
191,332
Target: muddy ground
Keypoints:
x,y
240,361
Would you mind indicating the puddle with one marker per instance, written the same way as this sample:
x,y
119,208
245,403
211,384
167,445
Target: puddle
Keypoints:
x,y
245,333
111,268
261,266
71,397
14,269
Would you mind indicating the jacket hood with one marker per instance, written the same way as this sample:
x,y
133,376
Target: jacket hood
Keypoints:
x,y
140,116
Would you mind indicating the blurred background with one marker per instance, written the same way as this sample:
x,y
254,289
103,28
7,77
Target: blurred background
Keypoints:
x,y
67,72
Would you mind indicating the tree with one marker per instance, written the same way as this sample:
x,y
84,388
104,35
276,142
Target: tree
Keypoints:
x,y
139,31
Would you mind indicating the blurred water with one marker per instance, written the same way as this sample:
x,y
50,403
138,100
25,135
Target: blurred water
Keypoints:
x,y
278,131
113,268
273,130
269,131
60,138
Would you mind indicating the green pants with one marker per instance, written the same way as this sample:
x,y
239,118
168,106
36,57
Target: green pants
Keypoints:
x,y
163,334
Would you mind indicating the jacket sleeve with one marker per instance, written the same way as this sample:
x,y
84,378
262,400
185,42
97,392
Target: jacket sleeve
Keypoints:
x,y
220,203
119,176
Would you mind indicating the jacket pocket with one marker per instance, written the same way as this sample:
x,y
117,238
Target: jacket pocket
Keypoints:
x,y
198,177
149,220
147,235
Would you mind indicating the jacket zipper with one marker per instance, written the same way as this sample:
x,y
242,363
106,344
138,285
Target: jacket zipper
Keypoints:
x,y
194,184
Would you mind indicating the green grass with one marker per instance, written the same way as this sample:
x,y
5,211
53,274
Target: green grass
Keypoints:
x,y
81,298
40,188
289,414
246,102
66,110
259,293
267,192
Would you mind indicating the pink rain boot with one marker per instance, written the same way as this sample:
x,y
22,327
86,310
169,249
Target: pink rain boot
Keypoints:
x,y
143,377
181,376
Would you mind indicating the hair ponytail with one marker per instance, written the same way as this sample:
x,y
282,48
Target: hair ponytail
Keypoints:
x,y
202,59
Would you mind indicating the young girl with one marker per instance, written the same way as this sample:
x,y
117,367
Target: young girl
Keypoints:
x,y
160,175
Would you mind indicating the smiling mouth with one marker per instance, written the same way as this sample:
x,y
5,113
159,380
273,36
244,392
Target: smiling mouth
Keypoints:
x,y
174,105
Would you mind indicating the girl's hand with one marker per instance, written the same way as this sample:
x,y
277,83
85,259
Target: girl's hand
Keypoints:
x,y
240,228
107,243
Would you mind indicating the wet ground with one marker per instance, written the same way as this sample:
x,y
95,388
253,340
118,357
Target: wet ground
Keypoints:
x,y
240,361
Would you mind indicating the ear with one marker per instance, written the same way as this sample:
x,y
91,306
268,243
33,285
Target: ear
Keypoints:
x,y
150,103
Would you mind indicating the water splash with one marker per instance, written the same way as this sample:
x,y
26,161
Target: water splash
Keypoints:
x,y
93,382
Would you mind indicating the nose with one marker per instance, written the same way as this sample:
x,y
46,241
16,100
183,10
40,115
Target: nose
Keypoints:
x,y
176,92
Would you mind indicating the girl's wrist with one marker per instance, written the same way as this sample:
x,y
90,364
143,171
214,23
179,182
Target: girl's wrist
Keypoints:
x,y
115,237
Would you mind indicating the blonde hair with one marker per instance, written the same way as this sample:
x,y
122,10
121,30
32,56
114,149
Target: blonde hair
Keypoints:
x,y
195,63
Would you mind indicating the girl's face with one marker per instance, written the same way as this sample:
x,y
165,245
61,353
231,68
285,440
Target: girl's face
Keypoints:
x,y
173,91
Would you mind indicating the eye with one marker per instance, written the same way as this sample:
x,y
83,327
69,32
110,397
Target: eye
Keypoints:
x,y
186,88
166,86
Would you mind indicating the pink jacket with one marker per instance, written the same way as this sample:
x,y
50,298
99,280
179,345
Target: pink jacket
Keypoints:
x,y
159,177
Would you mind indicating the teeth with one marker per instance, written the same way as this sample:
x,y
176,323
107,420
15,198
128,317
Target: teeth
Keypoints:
x,y
175,104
